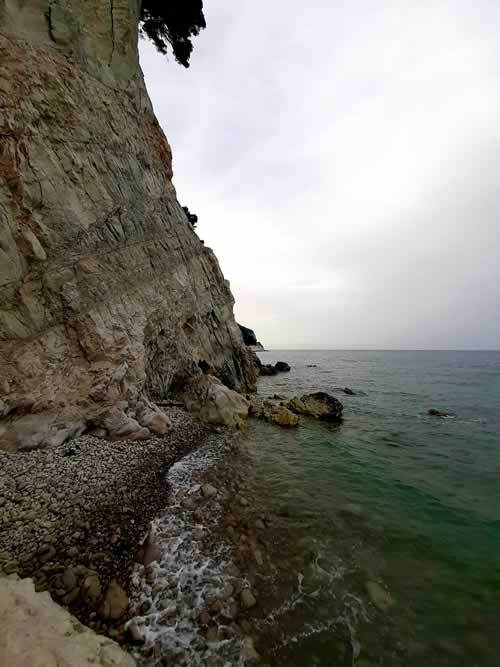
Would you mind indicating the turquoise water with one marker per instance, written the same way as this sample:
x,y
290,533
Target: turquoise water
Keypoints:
x,y
391,495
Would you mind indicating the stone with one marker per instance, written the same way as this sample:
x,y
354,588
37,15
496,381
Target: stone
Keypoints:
x,y
108,295
228,590
149,551
208,490
50,636
432,412
47,554
268,369
247,599
284,417
72,552
282,367
69,579
205,617
381,598
115,602
212,634
348,391
71,597
215,403
134,634
151,417
319,404
10,567
248,652
92,587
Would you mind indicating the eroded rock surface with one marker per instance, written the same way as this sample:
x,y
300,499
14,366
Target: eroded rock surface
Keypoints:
x,y
107,295
36,632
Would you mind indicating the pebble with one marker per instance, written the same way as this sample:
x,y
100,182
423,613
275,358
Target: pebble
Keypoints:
x,y
69,579
247,599
208,490
248,651
212,634
72,552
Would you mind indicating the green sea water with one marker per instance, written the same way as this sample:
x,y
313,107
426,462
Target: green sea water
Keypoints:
x,y
392,496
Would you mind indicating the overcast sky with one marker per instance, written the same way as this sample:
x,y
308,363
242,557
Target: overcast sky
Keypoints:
x,y
344,161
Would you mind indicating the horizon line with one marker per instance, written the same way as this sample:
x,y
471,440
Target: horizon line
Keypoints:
x,y
378,349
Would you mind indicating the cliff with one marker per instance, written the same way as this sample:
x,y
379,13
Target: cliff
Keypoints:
x,y
108,299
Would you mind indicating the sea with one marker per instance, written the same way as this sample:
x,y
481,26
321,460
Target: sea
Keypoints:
x,y
390,498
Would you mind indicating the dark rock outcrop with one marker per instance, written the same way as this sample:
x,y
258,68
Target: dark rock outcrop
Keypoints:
x,y
268,369
319,404
437,413
249,337
282,367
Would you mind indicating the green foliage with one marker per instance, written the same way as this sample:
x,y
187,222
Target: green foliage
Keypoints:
x,y
173,23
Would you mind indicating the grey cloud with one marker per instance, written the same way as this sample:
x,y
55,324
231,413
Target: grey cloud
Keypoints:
x,y
343,159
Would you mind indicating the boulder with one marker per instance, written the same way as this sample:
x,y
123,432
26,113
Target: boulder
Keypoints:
x,y
318,404
215,403
115,602
282,367
268,369
121,426
36,632
151,417
284,417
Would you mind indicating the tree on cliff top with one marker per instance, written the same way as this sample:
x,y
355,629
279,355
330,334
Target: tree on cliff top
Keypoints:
x,y
173,22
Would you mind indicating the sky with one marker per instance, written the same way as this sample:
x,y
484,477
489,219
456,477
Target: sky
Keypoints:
x,y
343,159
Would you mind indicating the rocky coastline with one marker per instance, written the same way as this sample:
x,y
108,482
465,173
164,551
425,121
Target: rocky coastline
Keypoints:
x,y
73,516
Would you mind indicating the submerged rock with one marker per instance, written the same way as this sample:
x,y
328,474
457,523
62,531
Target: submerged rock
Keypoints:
x,y
319,404
381,598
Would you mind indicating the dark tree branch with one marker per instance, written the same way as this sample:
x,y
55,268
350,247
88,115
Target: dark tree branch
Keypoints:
x,y
173,23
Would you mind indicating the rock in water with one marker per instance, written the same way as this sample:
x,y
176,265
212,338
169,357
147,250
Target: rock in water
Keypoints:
x,y
319,404
282,367
380,598
437,413
107,294
284,417
36,631
268,369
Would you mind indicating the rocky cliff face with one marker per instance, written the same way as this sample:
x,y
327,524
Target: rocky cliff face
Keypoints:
x,y
107,296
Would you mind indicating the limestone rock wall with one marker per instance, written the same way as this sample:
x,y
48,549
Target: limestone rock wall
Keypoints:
x,y
106,292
